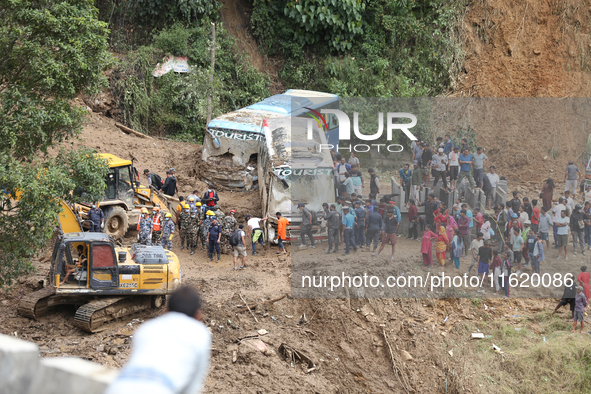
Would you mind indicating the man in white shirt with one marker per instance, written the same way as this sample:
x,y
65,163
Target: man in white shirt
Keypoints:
x,y
556,211
569,202
255,233
170,354
493,177
453,166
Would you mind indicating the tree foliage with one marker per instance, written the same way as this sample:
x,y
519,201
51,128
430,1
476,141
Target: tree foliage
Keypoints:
x,y
50,51
334,21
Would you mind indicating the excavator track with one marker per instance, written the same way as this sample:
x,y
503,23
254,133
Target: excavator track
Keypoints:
x,y
35,304
91,316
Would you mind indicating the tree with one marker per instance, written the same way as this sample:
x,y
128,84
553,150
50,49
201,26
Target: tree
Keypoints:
x,y
50,51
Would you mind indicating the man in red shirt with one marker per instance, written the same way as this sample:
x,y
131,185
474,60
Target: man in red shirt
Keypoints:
x,y
478,219
535,216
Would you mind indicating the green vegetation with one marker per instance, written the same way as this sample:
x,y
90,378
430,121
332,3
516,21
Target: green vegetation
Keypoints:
x,y
176,104
381,48
50,51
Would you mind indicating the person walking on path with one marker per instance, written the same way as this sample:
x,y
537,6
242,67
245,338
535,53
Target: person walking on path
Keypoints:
x,y
427,246
282,224
562,233
405,179
354,161
571,178
547,193
390,225
348,230
466,160
453,166
440,162
479,162
426,158
580,305
240,248
374,182
306,226
413,220
583,280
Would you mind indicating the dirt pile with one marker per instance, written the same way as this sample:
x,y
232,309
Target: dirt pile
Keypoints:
x,y
528,49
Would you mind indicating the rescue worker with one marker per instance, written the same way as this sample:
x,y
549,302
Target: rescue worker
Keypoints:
x,y
214,236
192,202
205,228
191,231
182,223
167,231
156,225
219,214
97,219
144,228
210,198
229,225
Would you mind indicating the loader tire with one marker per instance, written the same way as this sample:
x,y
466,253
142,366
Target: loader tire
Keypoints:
x,y
116,222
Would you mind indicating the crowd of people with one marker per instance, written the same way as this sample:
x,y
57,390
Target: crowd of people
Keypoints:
x,y
498,238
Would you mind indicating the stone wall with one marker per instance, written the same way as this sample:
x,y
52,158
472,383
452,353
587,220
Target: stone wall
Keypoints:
x,y
22,371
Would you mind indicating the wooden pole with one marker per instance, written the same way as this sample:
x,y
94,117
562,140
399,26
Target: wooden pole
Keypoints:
x,y
209,109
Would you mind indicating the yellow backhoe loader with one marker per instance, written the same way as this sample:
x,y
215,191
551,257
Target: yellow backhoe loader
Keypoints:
x,y
125,197
104,281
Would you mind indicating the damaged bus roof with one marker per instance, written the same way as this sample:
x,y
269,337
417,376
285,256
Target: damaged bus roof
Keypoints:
x,y
292,102
287,143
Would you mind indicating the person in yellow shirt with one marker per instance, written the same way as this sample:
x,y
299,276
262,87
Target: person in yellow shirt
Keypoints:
x,y
282,224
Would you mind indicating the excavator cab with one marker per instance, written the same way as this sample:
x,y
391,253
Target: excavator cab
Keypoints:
x,y
98,270
120,186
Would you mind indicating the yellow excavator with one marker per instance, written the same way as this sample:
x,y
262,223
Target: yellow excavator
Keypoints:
x,y
104,281
125,197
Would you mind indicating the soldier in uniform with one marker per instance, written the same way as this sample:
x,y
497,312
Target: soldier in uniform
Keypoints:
x,y
144,228
192,231
191,202
156,225
183,218
205,228
229,224
167,231
97,219
220,216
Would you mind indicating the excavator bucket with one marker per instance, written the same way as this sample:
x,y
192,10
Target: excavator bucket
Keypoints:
x,y
67,219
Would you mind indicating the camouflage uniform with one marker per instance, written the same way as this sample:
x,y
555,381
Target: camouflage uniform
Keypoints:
x,y
167,229
205,231
191,228
229,225
183,218
145,227
157,235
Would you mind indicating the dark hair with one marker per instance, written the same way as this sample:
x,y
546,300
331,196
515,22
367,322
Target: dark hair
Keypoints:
x,y
439,139
464,205
507,244
479,148
584,268
534,202
181,198
544,209
412,201
241,226
560,200
463,211
185,300
495,252
525,199
333,206
195,191
550,183
515,192
448,136
279,213
478,234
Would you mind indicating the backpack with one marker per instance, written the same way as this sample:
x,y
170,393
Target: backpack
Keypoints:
x,y
314,218
235,238
158,180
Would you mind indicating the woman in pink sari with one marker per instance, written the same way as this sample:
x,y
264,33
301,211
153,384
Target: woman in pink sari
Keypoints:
x,y
427,246
583,279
